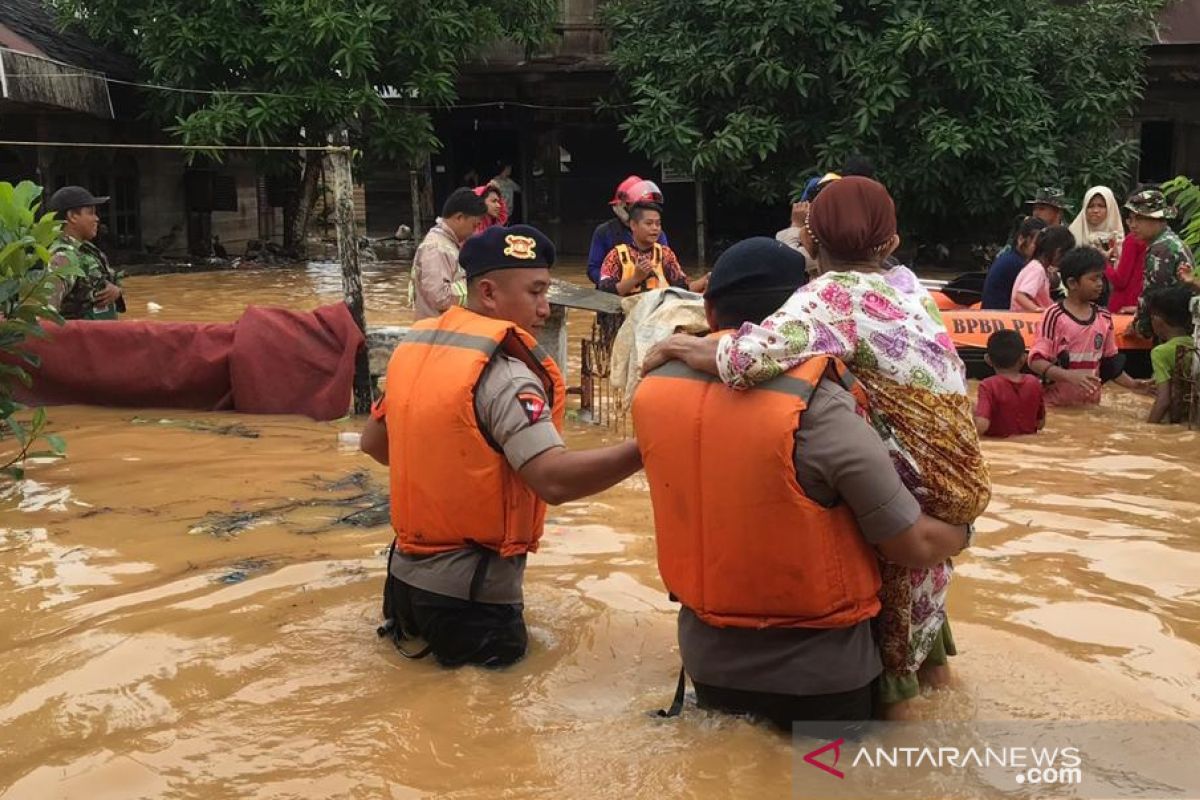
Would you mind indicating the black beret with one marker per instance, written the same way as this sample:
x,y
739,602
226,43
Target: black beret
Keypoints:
x,y
757,265
498,247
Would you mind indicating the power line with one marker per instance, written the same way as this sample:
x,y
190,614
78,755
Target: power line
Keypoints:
x,y
126,146
518,104
157,87
101,76
283,95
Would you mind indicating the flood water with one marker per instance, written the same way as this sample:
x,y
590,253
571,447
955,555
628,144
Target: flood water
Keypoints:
x,y
188,605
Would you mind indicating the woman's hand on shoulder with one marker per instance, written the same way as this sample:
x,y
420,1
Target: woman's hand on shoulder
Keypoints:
x,y
699,354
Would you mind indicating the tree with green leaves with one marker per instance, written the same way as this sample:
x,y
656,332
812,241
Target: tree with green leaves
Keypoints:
x,y
1184,194
27,243
290,72
964,106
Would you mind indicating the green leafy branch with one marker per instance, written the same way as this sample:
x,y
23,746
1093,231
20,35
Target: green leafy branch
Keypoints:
x,y
32,265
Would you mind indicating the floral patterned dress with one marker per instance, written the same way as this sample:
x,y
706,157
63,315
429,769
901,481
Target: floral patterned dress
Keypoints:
x,y
888,330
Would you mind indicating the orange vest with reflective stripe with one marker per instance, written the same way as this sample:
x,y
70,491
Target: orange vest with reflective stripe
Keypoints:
x,y
739,543
450,486
628,261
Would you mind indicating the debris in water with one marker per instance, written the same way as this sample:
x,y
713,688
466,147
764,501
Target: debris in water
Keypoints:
x,y
203,426
371,517
359,479
226,526
369,509
241,570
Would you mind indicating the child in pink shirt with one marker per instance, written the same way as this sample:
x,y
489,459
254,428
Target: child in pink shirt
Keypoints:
x,y
1076,349
1031,290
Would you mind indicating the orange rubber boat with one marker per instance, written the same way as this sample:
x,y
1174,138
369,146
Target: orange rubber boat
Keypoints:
x,y
970,326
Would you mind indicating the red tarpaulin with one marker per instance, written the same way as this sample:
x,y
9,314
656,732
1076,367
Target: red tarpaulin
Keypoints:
x,y
271,361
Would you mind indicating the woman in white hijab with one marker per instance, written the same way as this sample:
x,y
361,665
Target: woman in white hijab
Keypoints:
x,y
1099,223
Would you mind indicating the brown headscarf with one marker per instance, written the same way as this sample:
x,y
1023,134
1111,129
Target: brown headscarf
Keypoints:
x,y
852,219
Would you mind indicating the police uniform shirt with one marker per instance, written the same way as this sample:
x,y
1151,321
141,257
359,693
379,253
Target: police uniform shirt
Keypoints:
x,y
837,458
512,408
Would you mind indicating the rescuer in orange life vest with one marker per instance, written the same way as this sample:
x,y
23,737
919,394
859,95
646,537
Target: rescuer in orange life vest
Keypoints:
x,y
470,427
769,507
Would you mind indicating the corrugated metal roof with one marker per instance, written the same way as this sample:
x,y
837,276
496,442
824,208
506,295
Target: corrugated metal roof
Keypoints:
x,y
32,21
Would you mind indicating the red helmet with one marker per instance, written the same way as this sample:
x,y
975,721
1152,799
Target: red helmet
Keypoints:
x,y
622,193
644,192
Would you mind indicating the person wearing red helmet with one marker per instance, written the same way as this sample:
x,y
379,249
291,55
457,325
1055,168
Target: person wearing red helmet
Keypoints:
x,y
644,264
616,231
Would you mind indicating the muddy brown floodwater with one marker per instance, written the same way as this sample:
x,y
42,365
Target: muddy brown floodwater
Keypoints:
x,y
189,603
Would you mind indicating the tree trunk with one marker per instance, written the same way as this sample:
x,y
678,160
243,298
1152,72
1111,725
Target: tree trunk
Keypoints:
x,y
414,193
347,245
295,236
266,214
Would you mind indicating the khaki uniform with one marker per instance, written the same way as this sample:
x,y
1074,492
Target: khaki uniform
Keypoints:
x,y
514,412
438,282
837,459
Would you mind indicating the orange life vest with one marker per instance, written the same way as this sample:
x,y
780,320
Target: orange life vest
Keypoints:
x,y
739,543
628,261
450,486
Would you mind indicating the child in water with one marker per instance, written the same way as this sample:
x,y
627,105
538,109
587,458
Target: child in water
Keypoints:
x,y
1171,320
1009,403
884,325
1076,349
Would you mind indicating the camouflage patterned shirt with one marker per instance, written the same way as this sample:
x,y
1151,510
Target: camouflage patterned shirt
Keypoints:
x,y
1165,256
76,302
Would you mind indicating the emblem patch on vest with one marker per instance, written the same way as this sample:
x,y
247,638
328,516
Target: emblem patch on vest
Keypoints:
x,y
534,405
521,247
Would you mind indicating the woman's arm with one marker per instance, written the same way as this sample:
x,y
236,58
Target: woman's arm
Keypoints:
x,y
698,353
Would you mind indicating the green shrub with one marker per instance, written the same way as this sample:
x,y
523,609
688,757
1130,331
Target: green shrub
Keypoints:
x,y
1185,195
27,242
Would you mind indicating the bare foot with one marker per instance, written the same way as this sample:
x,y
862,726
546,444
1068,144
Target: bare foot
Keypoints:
x,y
934,676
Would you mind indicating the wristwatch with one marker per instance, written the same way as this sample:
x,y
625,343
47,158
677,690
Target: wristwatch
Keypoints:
x,y
970,535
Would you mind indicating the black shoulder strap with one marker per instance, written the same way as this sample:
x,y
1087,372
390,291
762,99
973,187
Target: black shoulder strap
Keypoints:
x,y
481,568
677,704
391,616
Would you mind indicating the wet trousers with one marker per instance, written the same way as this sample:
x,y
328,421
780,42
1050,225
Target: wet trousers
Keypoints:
x,y
455,631
784,711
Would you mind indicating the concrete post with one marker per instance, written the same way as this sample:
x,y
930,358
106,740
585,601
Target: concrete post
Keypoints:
x,y
553,337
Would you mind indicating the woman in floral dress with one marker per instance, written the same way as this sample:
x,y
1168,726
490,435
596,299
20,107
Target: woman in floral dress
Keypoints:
x,y
883,324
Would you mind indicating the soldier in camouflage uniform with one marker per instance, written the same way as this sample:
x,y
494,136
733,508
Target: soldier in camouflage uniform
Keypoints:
x,y
1049,205
97,293
1168,259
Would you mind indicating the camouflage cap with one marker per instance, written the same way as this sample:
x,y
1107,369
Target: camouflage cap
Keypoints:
x,y
1151,203
1049,196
